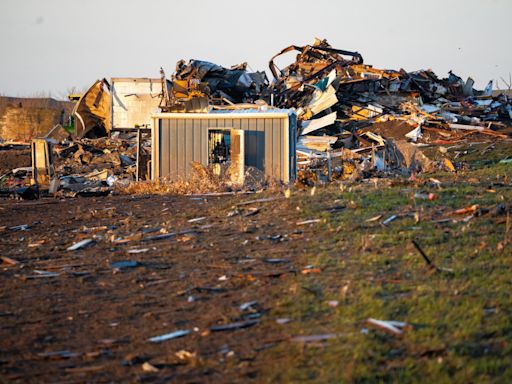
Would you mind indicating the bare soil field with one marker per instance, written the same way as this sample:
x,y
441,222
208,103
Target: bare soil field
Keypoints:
x,y
92,321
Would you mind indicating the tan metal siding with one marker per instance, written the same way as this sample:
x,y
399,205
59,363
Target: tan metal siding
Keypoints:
x,y
234,123
260,143
204,142
282,153
276,148
196,144
155,148
186,141
166,143
250,146
268,146
173,166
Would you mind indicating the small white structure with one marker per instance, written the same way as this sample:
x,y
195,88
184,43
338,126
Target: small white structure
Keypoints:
x,y
134,101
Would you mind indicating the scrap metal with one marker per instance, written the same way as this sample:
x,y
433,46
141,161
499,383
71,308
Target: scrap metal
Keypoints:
x,y
93,111
197,84
344,104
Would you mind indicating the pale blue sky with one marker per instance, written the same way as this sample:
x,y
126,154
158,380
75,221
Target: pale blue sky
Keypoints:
x,y
52,45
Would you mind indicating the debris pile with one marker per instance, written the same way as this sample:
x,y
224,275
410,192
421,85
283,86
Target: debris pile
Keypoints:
x,y
86,167
197,84
92,166
344,104
87,155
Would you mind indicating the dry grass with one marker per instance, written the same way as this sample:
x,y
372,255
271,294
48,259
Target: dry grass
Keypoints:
x,y
204,180
201,180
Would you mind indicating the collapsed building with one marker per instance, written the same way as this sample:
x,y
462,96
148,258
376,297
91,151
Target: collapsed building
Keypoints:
x,y
343,104
327,115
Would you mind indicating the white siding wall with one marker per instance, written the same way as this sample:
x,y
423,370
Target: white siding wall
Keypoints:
x,y
134,101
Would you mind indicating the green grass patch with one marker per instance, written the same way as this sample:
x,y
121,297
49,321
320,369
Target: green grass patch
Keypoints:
x,y
459,322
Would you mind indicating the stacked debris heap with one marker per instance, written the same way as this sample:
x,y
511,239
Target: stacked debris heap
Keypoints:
x,y
343,103
357,91
198,83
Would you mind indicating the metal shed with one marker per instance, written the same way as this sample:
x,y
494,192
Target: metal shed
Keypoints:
x,y
268,137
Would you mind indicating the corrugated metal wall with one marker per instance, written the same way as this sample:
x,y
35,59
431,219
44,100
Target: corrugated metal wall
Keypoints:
x,y
179,140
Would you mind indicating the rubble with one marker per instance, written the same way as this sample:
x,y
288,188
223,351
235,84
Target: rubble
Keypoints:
x,y
170,336
354,121
180,284
78,167
81,244
197,84
343,103
392,326
92,112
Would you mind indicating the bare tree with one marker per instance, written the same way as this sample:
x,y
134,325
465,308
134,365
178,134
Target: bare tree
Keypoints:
x,y
509,83
73,90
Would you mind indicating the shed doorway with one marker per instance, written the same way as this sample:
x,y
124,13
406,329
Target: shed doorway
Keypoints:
x,y
219,146
226,151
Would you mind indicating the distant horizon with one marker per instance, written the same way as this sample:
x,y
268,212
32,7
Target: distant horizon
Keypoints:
x,y
53,49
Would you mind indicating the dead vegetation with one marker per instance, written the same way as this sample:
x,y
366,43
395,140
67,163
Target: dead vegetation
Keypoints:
x,y
203,180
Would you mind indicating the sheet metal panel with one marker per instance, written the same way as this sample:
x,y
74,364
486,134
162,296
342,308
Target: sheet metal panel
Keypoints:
x,y
251,151
170,142
276,145
260,143
165,159
180,146
204,142
292,148
268,159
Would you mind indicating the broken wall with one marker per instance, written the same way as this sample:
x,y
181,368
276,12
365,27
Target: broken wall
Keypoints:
x,y
27,118
134,100
24,124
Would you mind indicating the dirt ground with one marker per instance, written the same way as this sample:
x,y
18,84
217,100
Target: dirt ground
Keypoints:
x,y
89,321
14,159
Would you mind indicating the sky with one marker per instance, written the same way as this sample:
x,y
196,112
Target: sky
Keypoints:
x,y
50,46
